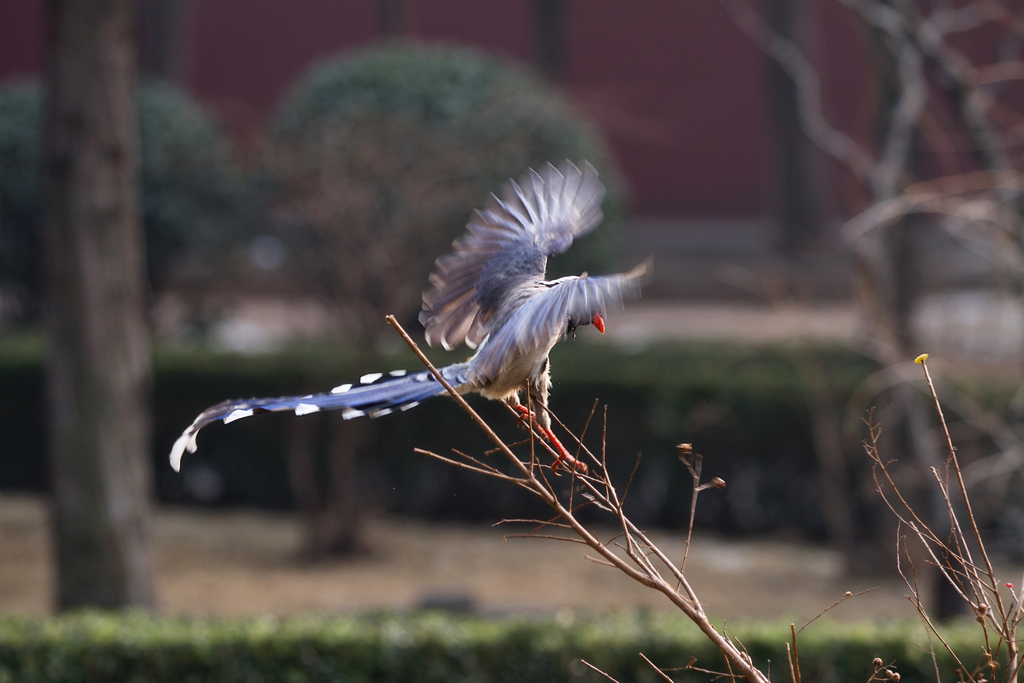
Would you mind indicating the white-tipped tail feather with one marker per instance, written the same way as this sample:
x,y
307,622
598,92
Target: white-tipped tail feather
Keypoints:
x,y
187,441
376,395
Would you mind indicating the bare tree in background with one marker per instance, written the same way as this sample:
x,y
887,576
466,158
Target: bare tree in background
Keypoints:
x,y
946,143
98,365
796,207
943,153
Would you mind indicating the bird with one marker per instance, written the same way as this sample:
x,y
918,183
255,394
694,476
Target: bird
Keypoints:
x,y
490,293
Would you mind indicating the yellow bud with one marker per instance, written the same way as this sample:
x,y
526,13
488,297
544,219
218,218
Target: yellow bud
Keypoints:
x,y
922,358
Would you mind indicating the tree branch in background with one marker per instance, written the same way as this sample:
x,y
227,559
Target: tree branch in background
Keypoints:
x,y
954,554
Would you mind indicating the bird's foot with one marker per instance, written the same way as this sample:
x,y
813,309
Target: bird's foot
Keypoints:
x,y
563,458
526,416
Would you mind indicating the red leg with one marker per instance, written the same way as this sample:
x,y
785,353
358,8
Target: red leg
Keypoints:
x,y
525,414
563,457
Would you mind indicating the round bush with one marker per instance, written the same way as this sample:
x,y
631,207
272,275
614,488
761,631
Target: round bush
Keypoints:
x,y
381,155
191,187
20,170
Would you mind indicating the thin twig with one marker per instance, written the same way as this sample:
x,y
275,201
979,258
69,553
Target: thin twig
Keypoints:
x,y
659,671
795,663
586,663
960,480
835,604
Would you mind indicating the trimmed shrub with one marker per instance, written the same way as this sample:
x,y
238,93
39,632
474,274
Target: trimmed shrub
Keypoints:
x,y
21,152
434,647
380,156
191,187
744,408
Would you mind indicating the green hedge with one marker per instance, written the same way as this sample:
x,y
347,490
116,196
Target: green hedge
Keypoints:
x,y
745,409
427,647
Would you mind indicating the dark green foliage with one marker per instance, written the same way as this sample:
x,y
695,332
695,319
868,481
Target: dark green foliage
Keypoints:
x,y
380,156
744,408
433,647
21,157
191,187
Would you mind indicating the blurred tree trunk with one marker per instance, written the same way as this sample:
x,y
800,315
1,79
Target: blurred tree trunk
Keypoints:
x,y
160,25
98,363
328,496
796,209
549,40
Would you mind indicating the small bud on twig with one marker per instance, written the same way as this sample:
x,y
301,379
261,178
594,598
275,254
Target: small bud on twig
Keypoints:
x,y
716,483
684,448
876,662
921,359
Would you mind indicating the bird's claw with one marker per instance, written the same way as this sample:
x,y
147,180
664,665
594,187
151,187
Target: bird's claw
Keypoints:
x,y
526,416
563,458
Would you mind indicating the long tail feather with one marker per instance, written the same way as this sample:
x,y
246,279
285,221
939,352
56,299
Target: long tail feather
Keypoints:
x,y
375,395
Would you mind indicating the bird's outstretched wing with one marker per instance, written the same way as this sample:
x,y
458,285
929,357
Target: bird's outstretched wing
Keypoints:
x,y
547,315
507,243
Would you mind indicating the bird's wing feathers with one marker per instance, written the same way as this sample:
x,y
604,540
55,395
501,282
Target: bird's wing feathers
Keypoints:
x,y
507,243
543,319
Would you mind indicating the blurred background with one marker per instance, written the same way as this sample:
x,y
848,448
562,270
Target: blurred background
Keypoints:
x,y
827,189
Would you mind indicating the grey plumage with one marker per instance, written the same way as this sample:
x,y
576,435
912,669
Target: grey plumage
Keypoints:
x,y
490,293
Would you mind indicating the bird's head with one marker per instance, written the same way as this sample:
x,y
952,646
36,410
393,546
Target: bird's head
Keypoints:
x,y
596,320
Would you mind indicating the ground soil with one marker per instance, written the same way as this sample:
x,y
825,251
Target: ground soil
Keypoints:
x,y
244,563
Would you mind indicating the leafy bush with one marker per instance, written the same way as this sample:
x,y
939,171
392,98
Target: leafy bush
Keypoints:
x,y
744,408
20,171
191,187
432,647
380,156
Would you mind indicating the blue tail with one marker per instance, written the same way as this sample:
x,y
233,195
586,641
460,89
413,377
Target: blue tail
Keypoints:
x,y
375,395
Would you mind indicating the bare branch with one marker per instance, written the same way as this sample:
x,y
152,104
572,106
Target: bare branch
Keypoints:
x,y
832,141
639,550
659,671
594,668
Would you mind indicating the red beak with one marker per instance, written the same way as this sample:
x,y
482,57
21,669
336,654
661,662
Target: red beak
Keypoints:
x,y
598,322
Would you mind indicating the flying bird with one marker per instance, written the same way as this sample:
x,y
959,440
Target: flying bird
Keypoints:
x,y
489,293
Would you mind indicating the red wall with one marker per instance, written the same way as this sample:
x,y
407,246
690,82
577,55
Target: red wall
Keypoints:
x,y
675,87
